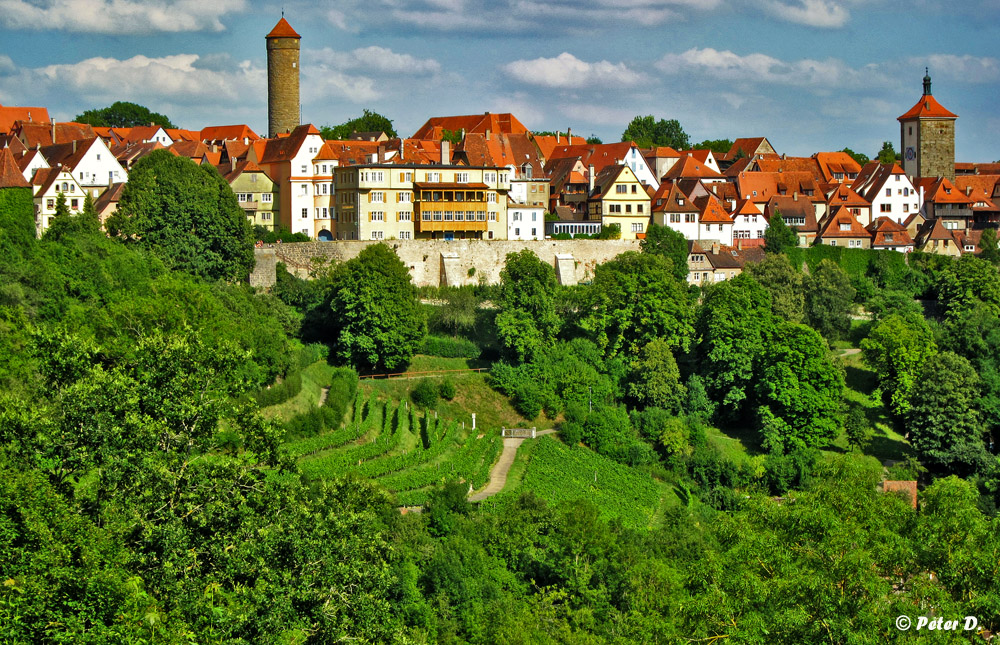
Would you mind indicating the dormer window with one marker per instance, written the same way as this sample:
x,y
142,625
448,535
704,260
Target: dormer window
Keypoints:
x,y
680,201
845,227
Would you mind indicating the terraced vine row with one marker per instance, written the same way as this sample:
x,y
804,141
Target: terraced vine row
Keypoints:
x,y
442,450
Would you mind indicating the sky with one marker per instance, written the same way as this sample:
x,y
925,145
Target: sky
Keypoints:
x,y
810,75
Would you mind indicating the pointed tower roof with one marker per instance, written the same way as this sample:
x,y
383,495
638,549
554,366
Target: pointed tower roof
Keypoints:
x,y
10,174
283,30
927,107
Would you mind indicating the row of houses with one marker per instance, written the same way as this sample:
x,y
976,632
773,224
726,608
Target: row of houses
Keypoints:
x,y
487,177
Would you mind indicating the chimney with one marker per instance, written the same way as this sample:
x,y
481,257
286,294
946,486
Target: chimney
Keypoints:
x,y
215,147
715,248
487,135
246,140
446,151
74,146
739,244
29,117
558,137
591,173
53,132
232,164
569,136
795,196
968,191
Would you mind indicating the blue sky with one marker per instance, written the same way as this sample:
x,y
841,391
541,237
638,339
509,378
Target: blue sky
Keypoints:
x,y
810,75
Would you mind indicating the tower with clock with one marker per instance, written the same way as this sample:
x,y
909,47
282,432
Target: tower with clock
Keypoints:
x,y
927,133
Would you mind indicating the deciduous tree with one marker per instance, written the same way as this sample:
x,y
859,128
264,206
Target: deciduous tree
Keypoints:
x,y
368,122
527,322
784,282
896,350
778,236
646,132
829,300
666,242
122,114
375,319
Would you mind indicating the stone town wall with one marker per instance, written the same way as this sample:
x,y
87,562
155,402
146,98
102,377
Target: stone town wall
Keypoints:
x,y
937,149
458,262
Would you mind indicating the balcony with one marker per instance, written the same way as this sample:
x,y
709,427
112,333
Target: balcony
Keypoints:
x,y
443,216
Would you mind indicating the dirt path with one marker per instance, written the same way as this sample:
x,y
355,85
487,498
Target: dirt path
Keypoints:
x,y
498,476
322,396
850,352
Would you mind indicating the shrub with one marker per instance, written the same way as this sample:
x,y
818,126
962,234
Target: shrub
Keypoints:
x,y
343,388
447,389
424,393
281,392
449,347
528,400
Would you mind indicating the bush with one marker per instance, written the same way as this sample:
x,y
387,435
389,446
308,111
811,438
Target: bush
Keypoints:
x,y
343,389
447,389
288,388
528,400
424,393
449,347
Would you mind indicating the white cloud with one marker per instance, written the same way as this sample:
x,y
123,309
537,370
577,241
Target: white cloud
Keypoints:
x,y
966,69
826,14
118,16
599,114
567,71
513,16
755,68
374,59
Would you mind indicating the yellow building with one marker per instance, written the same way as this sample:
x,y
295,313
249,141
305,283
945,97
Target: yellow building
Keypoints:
x,y
405,202
618,197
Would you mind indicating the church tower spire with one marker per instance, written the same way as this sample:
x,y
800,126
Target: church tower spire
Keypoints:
x,y
282,78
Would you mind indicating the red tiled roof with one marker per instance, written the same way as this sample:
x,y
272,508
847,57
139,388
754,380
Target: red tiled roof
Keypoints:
x,y
942,191
9,115
547,143
979,188
712,211
689,167
600,155
505,123
227,132
283,30
927,108
10,174
836,162
833,227
791,164
749,146
884,228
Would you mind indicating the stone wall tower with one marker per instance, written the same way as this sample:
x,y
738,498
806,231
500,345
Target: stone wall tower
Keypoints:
x,y
282,79
927,134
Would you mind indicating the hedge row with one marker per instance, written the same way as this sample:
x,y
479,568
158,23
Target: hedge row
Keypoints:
x,y
343,389
449,347
281,392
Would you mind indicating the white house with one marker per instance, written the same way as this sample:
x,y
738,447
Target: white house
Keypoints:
x,y
31,161
889,191
525,221
90,161
47,184
748,222
289,162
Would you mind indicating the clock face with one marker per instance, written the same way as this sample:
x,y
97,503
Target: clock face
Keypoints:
x,y
911,154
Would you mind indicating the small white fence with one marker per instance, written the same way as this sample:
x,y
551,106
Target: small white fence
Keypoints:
x,y
518,433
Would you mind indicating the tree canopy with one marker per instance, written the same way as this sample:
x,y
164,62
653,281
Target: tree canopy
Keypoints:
x,y
778,236
718,146
375,319
122,114
646,132
829,300
666,242
887,154
187,214
368,122
860,157
527,321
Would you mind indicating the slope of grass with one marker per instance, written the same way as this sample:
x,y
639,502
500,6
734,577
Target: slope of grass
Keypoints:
x,y
314,378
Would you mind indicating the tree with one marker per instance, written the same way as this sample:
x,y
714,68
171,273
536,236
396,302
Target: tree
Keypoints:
x,y
731,328
646,132
829,300
860,157
633,300
656,379
887,154
718,146
896,350
187,214
458,313
666,242
65,224
527,322
368,122
857,428
60,223
375,318
943,419
594,140
778,236
967,281
799,390
785,284
122,114
988,248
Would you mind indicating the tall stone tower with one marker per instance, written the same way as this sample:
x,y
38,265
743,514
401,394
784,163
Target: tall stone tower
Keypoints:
x,y
927,132
282,79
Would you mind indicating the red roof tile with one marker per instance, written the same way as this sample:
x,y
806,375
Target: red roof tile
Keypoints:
x,y
10,174
283,30
927,108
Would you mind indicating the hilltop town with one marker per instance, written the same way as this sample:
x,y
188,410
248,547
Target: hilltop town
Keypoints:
x,y
488,177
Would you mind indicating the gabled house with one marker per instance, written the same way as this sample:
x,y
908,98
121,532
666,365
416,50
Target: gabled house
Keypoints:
x,y
889,235
35,134
618,197
749,224
503,123
785,164
843,196
761,187
602,155
748,148
219,134
143,134
704,156
933,237
255,191
10,115
107,203
671,207
31,160
797,213
93,165
569,184
288,161
889,191
10,173
841,228
128,154
984,191
714,222
941,200
837,167
690,167
660,159
546,143
47,185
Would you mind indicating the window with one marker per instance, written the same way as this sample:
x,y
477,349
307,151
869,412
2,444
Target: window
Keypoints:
x,y
969,248
305,213
305,190
406,217
434,176
98,157
637,227
833,242
517,231
461,177
614,208
634,187
323,187
675,218
534,217
378,235
906,192
378,216
377,197
888,192
305,169
638,208
74,204
325,212
265,216
885,208
621,189
628,208
491,198
404,198
244,197
489,177
405,235
897,177
689,218
906,208
50,204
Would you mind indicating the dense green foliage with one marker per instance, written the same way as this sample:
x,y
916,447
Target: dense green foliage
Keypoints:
x,y
527,321
187,214
671,244
646,132
122,114
778,236
718,146
829,300
368,122
374,318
